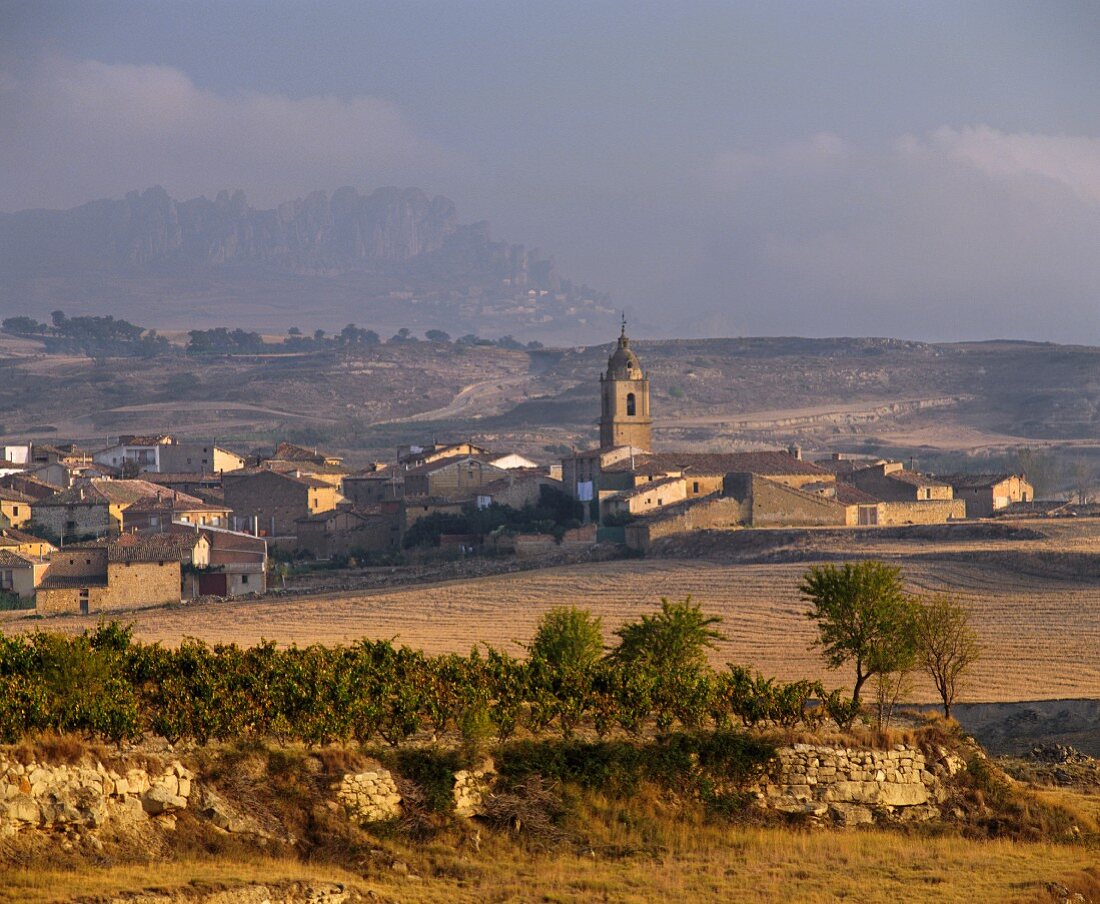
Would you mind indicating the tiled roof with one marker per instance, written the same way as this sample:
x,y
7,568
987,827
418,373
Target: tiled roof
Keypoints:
x,y
916,479
433,466
847,494
113,492
9,559
291,452
147,440
644,488
846,465
150,548
762,463
15,496
17,536
169,500
169,477
974,481
61,583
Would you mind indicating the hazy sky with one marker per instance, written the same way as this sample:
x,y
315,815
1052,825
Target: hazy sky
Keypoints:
x,y
925,170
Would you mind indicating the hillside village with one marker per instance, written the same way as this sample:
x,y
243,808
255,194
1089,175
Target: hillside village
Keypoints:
x,y
153,520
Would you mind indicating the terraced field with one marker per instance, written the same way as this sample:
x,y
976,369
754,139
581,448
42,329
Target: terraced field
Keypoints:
x,y
1036,605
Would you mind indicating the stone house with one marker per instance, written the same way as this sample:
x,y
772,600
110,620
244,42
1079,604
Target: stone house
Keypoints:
x,y
452,478
156,513
95,509
373,487
269,503
644,498
413,509
891,482
108,575
15,508
413,456
28,486
236,563
198,458
518,489
986,494
21,574
25,544
766,502
134,453
74,514
347,531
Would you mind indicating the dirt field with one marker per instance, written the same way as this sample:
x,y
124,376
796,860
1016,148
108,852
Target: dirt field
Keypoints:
x,y
1035,599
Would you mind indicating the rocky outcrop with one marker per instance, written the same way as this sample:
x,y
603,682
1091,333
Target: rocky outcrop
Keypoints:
x,y
281,893
42,796
318,234
370,796
855,786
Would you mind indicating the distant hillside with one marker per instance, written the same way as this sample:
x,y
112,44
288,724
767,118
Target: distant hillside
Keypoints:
x,y
340,257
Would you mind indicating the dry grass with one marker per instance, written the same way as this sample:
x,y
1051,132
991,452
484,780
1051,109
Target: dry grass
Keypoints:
x,y
637,858
37,886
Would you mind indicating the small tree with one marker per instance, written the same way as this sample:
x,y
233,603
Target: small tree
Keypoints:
x,y
947,646
567,639
863,616
563,657
670,648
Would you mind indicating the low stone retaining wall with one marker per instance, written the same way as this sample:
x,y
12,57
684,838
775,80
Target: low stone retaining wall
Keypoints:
x,y
370,796
856,786
59,797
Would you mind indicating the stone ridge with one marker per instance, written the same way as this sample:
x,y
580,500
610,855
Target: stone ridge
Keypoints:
x,y
856,786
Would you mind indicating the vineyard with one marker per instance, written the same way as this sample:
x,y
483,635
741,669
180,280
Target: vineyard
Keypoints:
x,y
104,684
1040,626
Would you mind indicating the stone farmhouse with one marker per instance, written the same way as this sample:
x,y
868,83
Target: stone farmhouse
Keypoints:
x,y
107,575
987,494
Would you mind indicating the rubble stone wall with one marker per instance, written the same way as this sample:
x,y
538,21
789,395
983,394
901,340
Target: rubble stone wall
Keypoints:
x,y
855,785
85,796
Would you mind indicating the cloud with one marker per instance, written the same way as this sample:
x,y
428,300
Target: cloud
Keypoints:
x,y
1069,160
79,129
955,233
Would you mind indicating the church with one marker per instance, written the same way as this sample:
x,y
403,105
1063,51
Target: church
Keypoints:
x,y
625,476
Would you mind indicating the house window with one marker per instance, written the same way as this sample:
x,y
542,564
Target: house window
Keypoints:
x,y
15,511
6,580
695,486
630,404
244,578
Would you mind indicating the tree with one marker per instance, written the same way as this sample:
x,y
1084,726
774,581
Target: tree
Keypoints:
x,y
947,646
294,331
862,615
567,639
437,336
562,666
668,652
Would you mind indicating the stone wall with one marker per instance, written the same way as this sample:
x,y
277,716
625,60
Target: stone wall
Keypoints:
x,y
471,788
722,513
928,511
370,796
86,796
855,786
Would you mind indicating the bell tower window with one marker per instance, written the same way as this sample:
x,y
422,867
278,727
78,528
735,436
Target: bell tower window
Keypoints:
x,y
630,405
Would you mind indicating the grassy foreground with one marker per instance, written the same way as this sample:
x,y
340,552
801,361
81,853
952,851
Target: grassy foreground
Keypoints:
x,y
700,863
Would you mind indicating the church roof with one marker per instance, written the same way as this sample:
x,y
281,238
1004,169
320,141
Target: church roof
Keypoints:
x,y
623,363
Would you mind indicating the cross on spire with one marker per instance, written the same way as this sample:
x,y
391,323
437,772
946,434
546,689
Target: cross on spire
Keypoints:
x,y
623,333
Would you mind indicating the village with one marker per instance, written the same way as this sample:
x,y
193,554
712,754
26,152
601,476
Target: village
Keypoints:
x,y
156,520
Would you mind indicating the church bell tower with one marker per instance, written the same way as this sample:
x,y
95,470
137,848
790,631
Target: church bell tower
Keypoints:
x,y
624,406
